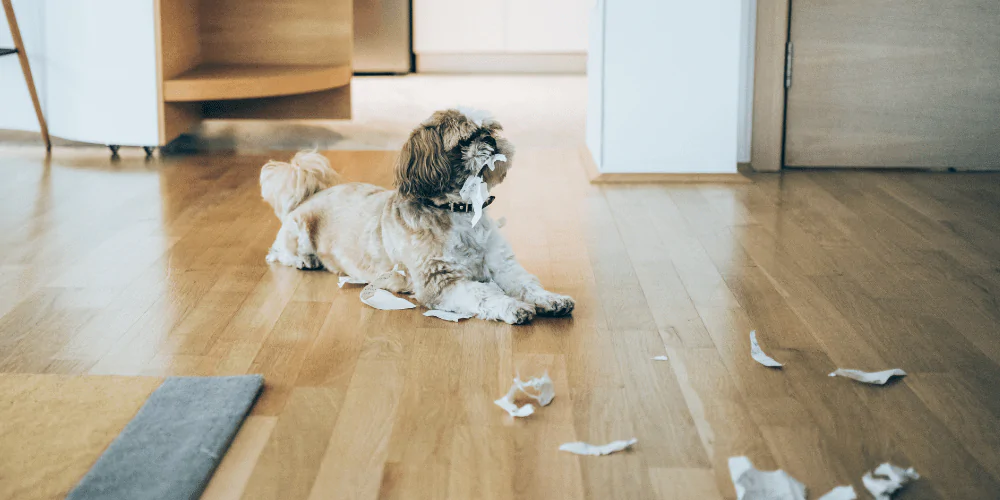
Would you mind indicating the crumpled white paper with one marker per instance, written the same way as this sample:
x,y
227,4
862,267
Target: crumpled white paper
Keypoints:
x,y
879,378
661,358
447,315
382,299
581,448
348,280
758,355
475,191
752,484
840,493
542,391
892,479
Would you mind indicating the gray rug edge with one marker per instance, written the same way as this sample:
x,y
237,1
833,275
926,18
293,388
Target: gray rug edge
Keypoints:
x,y
174,443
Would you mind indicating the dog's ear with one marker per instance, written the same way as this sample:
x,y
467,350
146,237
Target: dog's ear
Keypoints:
x,y
423,169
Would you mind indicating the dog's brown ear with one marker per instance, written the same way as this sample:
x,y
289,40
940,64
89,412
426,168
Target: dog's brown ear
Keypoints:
x,y
423,170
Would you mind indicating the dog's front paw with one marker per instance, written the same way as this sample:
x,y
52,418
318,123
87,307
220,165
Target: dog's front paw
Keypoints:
x,y
518,313
553,304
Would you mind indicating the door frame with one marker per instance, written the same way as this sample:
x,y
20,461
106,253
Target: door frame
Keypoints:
x,y
767,141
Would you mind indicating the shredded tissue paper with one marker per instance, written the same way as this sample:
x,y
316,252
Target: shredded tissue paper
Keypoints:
x,y
758,355
878,378
581,448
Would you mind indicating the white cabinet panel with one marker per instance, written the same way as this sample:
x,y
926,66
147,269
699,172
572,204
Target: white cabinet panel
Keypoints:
x,y
94,65
669,86
550,26
100,65
458,26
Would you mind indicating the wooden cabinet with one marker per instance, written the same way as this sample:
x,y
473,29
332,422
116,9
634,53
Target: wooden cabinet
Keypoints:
x,y
140,73
252,59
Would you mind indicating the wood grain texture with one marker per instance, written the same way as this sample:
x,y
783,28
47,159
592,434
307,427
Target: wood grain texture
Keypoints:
x,y
253,60
767,139
54,428
178,49
163,273
306,32
209,82
886,84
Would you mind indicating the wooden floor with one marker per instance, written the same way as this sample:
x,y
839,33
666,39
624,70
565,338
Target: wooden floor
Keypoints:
x,y
158,268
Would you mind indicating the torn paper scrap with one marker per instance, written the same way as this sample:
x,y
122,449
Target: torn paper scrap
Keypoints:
x,y
347,280
542,389
381,299
758,355
661,358
512,409
501,222
753,484
841,493
879,378
507,403
581,448
446,315
888,479
474,191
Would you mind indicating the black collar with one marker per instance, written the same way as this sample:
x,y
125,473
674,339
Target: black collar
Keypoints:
x,y
459,207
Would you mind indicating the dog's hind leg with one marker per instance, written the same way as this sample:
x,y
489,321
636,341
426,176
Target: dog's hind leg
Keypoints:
x,y
293,247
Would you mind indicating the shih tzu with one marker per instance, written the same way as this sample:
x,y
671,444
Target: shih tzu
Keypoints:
x,y
433,226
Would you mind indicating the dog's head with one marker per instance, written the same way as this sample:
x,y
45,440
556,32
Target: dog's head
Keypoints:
x,y
446,149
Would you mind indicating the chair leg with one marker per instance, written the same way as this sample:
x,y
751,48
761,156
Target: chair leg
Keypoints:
x,y
22,56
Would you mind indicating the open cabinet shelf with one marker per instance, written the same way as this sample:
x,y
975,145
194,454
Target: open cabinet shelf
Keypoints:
x,y
252,59
210,82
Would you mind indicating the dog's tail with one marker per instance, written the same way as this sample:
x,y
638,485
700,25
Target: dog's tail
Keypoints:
x,y
286,185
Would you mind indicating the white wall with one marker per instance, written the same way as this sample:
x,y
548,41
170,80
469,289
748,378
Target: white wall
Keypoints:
x,y
670,85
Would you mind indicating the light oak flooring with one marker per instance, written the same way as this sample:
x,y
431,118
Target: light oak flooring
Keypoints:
x,y
157,268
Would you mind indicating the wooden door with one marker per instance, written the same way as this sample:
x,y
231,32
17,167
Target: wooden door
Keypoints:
x,y
894,83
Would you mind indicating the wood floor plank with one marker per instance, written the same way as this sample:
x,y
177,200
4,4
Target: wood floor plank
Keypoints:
x,y
283,350
679,483
236,468
288,463
355,458
158,268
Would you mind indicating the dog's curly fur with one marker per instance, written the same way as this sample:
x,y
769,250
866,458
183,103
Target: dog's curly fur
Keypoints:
x,y
363,230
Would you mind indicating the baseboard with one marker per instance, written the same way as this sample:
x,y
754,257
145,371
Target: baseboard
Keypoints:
x,y
569,63
596,177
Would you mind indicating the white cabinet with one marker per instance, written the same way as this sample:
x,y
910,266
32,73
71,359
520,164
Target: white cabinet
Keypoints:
x,y
452,32
549,26
94,65
656,104
458,26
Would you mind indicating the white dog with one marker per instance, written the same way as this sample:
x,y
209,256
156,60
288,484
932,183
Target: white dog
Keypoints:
x,y
425,226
